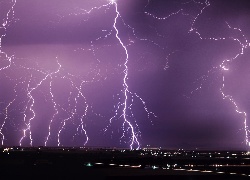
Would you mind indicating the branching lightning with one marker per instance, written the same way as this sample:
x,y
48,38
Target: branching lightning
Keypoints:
x,y
243,45
29,114
5,57
224,67
77,102
5,24
125,85
126,106
31,100
70,110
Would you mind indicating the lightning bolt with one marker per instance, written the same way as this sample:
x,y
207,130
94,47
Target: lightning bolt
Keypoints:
x,y
76,109
5,57
5,119
244,46
224,67
126,106
134,139
80,128
123,110
3,28
32,101
54,115
33,84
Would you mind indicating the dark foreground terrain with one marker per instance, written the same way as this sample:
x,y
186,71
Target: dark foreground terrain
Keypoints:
x,y
89,163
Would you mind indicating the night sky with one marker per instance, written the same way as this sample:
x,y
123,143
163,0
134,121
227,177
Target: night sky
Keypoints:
x,y
125,73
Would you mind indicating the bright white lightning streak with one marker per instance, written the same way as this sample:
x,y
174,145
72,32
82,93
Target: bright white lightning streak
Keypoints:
x,y
127,125
81,125
125,105
4,26
56,112
125,85
73,113
29,113
32,100
9,17
223,65
225,68
230,98
207,3
6,117
164,18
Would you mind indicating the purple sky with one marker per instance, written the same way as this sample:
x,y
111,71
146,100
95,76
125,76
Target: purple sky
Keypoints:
x,y
171,74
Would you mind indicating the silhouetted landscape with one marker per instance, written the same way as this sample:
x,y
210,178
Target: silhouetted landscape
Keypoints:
x,y
113,163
